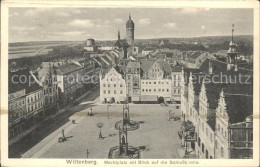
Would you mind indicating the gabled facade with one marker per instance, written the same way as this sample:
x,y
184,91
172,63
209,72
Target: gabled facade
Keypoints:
x,y
112,86
133,81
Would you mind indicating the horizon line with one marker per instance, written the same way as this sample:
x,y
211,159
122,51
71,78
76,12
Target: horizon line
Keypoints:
x,y
137,38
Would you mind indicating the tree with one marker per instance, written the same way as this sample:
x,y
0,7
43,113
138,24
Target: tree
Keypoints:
x,y
160,99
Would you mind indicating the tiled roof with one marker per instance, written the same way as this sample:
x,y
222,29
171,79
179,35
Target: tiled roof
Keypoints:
x,y
166,67
67,68
221,67
148,49
26,82
238,98
133,64
187,72
121,43
146,65
192,54
46,71
213,91
238,107
212,120
176,68
217,66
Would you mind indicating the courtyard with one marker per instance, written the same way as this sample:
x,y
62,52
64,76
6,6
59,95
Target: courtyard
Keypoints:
x,y
157,133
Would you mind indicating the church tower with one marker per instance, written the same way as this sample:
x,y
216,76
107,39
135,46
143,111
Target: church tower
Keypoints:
x,y
130,28
232,53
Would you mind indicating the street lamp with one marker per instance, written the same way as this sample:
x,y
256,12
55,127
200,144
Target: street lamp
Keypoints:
x,y
62,131
100,125
107,112
87,153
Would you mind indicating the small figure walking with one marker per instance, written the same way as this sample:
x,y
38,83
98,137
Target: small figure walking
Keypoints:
x,y
63,134
87,153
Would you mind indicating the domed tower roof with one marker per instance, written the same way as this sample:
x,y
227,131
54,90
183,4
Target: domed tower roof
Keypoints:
x,y
130,23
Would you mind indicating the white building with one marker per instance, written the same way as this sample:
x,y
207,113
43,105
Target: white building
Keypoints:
x,y
155,89
112,85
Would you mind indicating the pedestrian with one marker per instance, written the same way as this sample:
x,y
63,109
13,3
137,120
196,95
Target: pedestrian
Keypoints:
x,y
63,134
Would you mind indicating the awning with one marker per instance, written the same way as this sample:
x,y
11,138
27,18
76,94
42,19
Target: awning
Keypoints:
x,y
121,98
149,98
167,99
135,98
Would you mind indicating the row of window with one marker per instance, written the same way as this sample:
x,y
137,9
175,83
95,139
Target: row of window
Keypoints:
x,y
35,106
150,90
70,88
203,148
34,98
176,83
115,85
222,149
15,104
224,133
115,92
46,91
176,77
176,91
154,82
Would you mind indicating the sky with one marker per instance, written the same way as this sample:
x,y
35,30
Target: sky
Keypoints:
x,y
79,24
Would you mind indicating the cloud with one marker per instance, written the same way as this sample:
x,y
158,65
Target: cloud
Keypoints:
x,y
82,23
193,10
36,11
169,25
13,14
106,21
63,14
72,33
144,21
20,28
203,27
118,21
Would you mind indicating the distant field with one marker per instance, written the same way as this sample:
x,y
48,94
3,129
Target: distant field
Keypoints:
x,y
30,49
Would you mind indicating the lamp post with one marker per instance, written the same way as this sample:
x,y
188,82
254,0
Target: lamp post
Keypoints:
x,y
62,131
107,112
100,125
87,153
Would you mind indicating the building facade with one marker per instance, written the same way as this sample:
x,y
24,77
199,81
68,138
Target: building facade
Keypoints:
x,y
47,78
25,101
112,85
133,81
69,78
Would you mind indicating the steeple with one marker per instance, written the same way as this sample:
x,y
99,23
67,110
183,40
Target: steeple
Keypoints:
x,y
232,53
129,15
232,32
118,34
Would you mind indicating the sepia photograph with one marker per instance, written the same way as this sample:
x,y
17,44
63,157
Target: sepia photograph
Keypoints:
x,y
115,82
